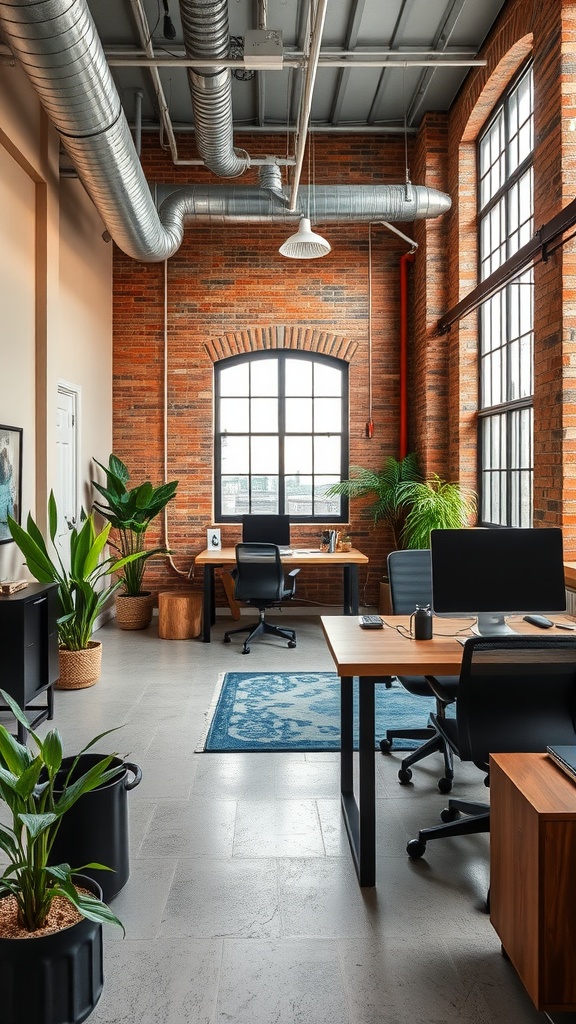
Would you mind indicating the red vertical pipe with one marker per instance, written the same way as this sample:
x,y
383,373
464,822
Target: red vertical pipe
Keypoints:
x,y
407,258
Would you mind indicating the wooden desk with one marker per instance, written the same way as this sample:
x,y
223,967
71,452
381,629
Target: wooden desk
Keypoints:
x,y
532,860
348,561
372,654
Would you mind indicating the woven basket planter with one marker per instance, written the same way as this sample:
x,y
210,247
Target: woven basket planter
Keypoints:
x,y
79,669
134,612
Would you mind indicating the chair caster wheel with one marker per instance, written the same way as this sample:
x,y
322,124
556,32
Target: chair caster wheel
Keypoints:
x,y
386,746
227,640
449,814
404,776
291,643
416,849
245,650
445,785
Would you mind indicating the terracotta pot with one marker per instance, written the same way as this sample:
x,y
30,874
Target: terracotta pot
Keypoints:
x,y
134,612
79,669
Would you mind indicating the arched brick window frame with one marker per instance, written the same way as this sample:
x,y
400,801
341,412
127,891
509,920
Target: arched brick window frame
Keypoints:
x,y
335,351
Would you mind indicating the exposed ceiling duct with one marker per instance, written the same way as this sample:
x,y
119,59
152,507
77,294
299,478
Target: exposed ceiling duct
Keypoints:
x,y
58,47
206,35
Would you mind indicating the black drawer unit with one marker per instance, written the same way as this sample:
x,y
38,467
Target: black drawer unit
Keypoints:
x,y
29,648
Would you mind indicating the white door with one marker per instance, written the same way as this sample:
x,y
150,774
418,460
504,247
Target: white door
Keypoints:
x,y
66,494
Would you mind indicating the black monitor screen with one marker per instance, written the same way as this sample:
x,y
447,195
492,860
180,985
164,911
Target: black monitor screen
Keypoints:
x,y
494,572
263,529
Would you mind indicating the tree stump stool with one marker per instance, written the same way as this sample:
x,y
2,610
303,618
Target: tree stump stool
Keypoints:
x,y
179,615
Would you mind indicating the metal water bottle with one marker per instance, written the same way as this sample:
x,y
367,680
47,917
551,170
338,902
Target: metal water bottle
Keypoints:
x,y
421,622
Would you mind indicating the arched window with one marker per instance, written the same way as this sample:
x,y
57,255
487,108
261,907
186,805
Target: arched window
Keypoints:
x,y
506,223
281,435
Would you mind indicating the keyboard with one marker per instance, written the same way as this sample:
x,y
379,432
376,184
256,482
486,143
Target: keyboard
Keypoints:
x,y
286,551
306,551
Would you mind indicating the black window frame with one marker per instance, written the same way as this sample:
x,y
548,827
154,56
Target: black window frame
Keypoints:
x,y
508,479
282,355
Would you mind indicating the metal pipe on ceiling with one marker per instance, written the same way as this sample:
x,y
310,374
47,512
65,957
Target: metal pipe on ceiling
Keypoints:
x,y
57,46
305,110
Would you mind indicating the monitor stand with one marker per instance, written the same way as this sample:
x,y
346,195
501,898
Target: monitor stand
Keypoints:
x,y
492,624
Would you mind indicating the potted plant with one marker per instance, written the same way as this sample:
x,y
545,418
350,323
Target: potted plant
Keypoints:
x,y
411,505
50,915
81,593
130,510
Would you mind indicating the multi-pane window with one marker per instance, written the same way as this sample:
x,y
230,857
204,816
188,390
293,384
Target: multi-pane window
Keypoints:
x,y
281,435
506,214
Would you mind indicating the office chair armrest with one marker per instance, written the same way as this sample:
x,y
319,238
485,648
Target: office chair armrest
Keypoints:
x,y
443,696
294,572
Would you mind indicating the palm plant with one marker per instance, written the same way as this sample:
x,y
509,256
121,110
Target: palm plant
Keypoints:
x,y
409,504
130,511
81,596
37,802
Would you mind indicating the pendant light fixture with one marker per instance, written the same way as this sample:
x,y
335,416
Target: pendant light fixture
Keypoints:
x,y
306,244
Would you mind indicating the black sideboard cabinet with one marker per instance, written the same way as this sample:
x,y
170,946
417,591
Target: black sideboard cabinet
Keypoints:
x,y
29,649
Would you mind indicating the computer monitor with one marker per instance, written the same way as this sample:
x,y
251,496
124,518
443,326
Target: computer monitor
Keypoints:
x,y
491,573
266,529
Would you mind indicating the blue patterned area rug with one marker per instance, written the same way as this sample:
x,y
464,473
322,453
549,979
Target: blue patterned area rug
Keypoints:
x,y
272,711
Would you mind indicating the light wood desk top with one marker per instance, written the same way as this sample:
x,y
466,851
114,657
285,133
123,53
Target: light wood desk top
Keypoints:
x,y
570,574
227,556
375,652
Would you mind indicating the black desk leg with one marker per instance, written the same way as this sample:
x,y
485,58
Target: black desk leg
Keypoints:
x,y
359,818
208,606
350,590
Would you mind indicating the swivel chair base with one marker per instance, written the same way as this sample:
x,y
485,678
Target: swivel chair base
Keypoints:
x,y
433,742
478,821
261,627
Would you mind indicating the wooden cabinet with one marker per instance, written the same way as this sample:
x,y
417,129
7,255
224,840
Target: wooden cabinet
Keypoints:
x,y
532,874
29,647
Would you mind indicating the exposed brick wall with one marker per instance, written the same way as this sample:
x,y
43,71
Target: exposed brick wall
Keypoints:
x,y
228,287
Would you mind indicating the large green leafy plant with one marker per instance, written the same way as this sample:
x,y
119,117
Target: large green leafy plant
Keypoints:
x,y
409,504
130,510
38,798
82,597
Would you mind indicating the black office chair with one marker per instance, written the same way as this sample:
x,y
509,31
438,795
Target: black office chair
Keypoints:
x,y
260,581
515,694
410,577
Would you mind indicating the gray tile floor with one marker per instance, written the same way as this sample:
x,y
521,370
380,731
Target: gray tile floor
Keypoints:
x,y
243,905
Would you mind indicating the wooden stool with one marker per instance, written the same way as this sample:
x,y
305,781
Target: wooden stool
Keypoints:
x,y
179,615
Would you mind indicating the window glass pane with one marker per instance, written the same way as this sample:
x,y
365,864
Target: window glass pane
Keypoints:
x,y
234,495
234,415
264,377
298,455
234,380
298,377
327,380
327,415
327,454
298,415
264,415
264,455
299,495
264,495
235,454
323,505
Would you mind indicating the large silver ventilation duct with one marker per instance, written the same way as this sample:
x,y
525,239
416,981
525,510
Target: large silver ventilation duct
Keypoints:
x,y
59,49
206,35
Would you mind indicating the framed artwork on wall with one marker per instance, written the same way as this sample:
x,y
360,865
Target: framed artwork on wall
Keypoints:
x,y
10,479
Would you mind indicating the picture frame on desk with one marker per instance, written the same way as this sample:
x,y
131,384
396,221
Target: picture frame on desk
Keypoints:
x,y
10,479
214,539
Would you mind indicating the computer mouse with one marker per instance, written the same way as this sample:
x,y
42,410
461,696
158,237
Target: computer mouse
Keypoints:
x,y
538,620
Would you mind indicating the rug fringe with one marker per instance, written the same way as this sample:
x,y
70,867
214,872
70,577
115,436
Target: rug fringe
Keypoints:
x,y
209,714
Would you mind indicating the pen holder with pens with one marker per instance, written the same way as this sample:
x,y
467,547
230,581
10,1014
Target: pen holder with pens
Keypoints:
x,y
421,622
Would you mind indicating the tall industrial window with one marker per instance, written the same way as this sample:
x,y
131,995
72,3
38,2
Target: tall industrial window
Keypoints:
x,y
506,212
281,435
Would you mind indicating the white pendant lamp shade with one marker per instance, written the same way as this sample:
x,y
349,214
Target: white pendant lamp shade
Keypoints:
x,y
305,244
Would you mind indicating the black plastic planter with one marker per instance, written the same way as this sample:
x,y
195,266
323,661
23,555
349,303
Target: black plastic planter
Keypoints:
x,y
53,979
96,827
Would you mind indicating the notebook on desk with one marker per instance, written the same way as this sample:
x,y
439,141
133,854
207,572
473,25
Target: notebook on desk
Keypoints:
x,y
565,758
